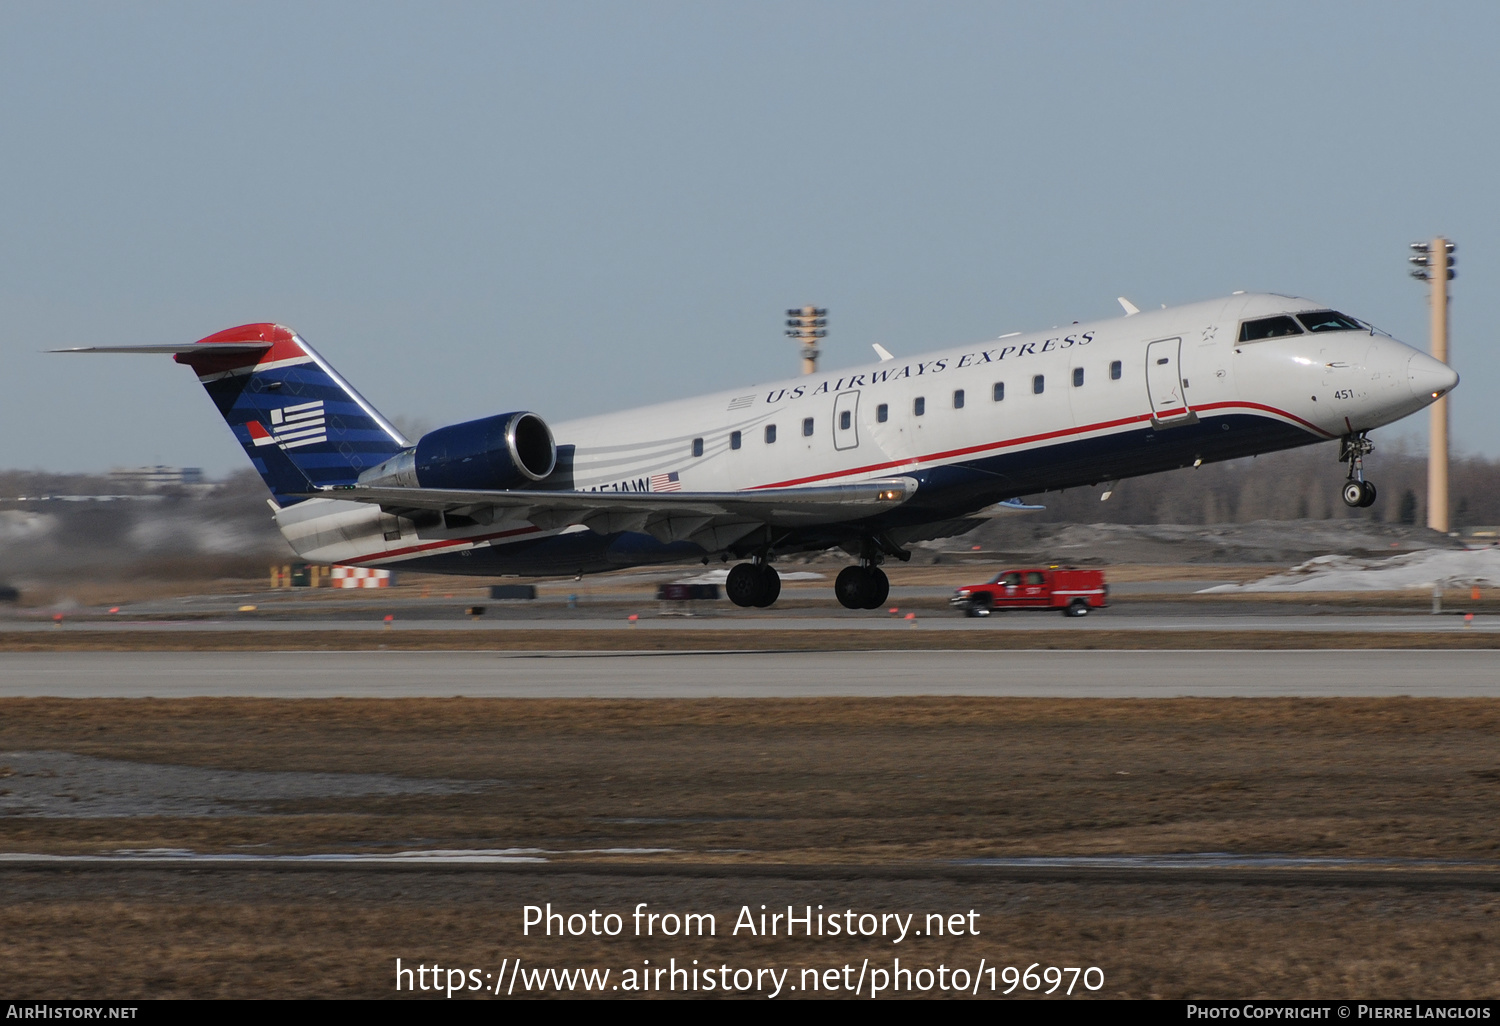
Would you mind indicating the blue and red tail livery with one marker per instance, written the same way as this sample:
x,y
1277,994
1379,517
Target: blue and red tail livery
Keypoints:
x,y
301,424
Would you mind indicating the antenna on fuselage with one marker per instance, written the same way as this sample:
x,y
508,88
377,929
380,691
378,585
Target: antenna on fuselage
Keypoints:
x,y
1130,308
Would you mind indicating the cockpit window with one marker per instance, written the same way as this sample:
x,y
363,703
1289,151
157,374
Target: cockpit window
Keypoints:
x,y
1269,327
1329,320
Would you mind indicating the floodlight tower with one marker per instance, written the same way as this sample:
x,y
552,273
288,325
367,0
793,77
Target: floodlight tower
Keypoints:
x,y
807,324
1435,262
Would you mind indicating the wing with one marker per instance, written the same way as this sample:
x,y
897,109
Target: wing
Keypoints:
x,y
711,519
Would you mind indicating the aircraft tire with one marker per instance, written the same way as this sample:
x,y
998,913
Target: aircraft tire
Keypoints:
x,y
1369,499
879,588
742,584
768,586
850,587
1354,493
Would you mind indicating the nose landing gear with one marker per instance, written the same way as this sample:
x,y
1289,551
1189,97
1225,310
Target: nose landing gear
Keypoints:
x,y
1353,449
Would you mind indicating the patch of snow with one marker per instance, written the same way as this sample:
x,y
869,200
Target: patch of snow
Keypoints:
x,y
1447,568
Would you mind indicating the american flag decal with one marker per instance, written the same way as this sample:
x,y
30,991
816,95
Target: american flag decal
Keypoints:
x,y
665,482
292,426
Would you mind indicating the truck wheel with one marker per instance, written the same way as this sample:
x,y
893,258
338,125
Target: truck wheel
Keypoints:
x,y
1078,607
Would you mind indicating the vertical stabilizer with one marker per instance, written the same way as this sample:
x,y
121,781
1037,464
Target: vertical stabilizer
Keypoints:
x,y
300,423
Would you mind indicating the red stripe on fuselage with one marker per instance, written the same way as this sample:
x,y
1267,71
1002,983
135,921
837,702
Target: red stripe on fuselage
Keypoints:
x,y
447,543
1011,443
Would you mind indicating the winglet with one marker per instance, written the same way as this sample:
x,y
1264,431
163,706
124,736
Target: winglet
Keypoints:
x,y
881,351
1130,308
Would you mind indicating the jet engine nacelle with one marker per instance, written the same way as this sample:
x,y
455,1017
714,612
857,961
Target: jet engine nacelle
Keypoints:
x,y
492,453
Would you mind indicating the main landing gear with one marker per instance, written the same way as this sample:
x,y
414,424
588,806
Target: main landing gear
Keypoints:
x,y
1352,450
752,584
862,587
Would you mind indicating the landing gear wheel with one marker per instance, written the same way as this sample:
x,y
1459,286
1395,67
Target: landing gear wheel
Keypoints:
x,y
850,587
769,584
1354,494
1369,499
879,585
1078,607
742,584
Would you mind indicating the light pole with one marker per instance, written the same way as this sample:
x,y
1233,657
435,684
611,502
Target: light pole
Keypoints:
x,y
1435,262
807,324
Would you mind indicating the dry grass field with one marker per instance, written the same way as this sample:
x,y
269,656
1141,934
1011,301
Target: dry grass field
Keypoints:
x,y
878,805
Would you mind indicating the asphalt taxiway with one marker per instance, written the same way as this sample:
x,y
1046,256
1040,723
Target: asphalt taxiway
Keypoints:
x,y
1025,673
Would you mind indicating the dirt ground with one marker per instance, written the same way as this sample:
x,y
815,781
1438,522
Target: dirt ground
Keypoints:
x,y
772,802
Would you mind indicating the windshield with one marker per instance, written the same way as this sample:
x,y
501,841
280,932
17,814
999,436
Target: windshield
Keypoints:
x,y
1329,320
1268,327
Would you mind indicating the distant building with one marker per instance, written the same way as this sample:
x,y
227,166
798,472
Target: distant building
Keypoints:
x,y
157,478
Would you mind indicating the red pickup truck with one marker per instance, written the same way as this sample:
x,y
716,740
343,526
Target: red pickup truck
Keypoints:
x,y
1064,588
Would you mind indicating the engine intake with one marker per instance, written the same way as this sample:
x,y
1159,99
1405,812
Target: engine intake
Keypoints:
x,y
492,453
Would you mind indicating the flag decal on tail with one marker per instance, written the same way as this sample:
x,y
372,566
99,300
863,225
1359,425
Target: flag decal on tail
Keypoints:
x,y
292,426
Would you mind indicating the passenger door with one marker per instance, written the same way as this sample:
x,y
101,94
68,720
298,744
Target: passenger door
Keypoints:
x,y
1034,590
1164,387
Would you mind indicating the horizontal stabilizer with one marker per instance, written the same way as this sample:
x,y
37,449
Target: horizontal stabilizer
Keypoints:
x,y
173,350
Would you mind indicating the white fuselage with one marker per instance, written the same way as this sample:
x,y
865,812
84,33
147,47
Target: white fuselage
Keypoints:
x,y
1009,397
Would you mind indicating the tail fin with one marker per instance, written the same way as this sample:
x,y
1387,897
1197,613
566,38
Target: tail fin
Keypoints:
x,y
300,423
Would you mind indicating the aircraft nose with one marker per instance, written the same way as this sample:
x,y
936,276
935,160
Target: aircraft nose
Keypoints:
x,y
1430,379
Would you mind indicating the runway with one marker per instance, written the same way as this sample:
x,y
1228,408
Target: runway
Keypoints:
x,y
922,621
1035,674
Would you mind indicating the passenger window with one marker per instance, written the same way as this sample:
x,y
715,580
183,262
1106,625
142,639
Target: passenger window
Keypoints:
x,y
1037,384
1115,370
919,407
882,413
999,391
770,433
807,427
1268,327
1012,580
1034,577
697,447
734,439
958,399
1077,376
845,420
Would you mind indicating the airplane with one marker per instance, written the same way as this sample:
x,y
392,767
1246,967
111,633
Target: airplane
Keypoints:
x,y
868,459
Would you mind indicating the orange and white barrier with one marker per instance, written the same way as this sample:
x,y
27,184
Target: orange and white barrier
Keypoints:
x,y
360,577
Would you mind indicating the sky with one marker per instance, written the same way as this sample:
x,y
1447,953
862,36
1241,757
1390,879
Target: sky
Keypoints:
x,y
576,207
